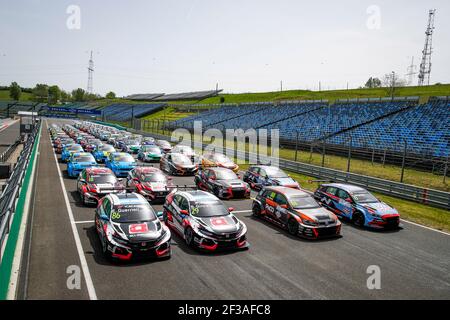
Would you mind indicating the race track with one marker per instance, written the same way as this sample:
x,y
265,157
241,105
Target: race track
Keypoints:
x,y
414,261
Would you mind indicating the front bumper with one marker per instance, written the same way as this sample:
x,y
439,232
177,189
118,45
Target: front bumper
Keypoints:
x,y
311,232
141,250
238,193
221,242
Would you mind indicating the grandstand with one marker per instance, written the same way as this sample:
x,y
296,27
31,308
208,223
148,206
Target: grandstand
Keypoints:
x,y
197,95
124,112
382,124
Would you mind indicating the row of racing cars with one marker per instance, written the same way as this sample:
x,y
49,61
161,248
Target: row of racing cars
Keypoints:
x,y
128,225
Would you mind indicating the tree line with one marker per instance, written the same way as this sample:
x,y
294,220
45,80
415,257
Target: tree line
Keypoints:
x,y
52,94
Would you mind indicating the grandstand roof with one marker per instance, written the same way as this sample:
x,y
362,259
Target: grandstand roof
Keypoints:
x,y
144,96
174,96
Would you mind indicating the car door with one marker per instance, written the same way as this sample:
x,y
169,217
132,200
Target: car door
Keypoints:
x,y
261,178
130,179
253,175
81,180
102,215
281,209
270,205
344,203
175,207
329,199
211,178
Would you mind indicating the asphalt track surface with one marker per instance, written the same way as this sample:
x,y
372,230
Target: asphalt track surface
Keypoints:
x,y
9,135
414,261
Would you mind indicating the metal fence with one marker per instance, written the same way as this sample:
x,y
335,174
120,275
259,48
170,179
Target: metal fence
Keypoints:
x,y
11,192
8,152
425,196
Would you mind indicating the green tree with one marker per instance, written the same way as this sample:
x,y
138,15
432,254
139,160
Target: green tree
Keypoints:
x,y
373,83
40,92
110,95
78,95
15,91
65,96
54,94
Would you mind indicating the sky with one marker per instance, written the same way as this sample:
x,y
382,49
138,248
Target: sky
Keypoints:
x,y
168,46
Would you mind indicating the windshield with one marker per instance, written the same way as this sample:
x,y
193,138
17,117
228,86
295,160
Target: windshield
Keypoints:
x,y
274,172
181,159
208,209
364,197
133,142
163,143
87,158
124,158
151,149
132,213
226,175
154,177
303,202
102,179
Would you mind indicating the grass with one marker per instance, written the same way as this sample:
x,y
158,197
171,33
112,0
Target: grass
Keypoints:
x,y
4,96
424,92
168,114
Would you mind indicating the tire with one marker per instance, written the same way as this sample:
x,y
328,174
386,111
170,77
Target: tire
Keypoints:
x,y
189,236
106,253
292,226
358,219
256,211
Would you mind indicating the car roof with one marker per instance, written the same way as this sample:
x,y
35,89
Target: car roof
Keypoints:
x,y
127,198
264,166
289,192
346,187
198,195
147,170
97,170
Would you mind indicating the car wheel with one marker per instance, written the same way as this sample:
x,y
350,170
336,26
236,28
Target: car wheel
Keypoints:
x,y
256,211
292,226
189,237
358,219
106,253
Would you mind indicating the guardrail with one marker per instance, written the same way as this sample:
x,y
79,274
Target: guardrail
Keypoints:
x,y
8,198
425,196
8,152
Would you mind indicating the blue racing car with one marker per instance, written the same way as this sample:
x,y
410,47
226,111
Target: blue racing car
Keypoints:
x,y
120,163
103,152
358,205
79,161
260,176
68,151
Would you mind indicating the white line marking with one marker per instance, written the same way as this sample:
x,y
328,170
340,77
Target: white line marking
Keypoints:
x,y
242,211
84,265
425,227
82,222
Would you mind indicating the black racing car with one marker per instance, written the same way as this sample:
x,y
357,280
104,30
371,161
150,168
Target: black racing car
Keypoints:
x,y
203,221
129,227
178,164
222,182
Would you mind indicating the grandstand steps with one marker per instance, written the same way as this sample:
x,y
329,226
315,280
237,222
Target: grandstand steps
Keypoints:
x,y
389,114
290,117
238,116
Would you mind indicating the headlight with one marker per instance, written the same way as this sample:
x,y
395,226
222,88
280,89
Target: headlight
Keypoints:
x,y
310,223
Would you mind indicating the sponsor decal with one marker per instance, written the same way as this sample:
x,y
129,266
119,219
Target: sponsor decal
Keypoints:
x,y
219,222
138,228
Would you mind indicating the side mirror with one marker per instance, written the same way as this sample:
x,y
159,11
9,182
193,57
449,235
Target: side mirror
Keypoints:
x,y
185,212
284,206
230,209
82,181
160,216
103,217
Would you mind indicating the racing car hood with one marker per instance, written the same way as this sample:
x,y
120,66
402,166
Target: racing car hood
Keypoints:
x,y
380,208
84,164
285,182
156,186
126,164
221,224
136,232
235,183
317,214
152,154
